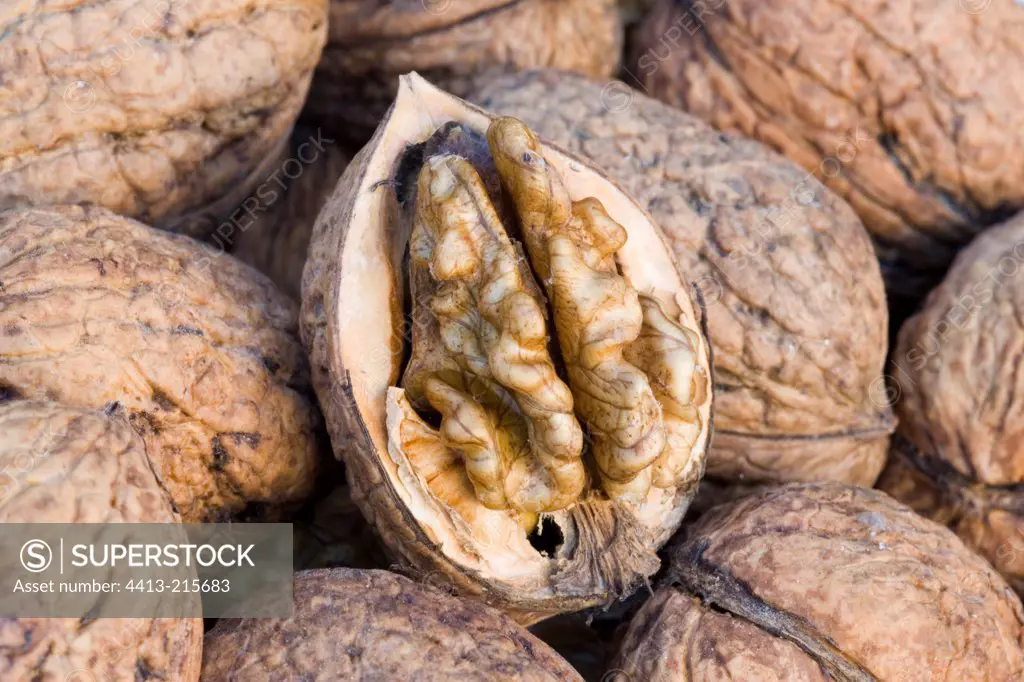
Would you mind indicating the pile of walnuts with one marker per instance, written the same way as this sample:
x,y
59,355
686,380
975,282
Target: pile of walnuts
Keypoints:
x,y
555,380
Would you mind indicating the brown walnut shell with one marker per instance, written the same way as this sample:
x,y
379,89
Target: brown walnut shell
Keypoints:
x,y
795,303
956,372
162,110
373,625
910,110
195,348
271,230
355,329
824,582
64,465
449,41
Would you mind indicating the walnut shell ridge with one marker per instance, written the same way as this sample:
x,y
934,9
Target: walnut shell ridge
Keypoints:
x,y
955,370
794,298
85,466
197,350
910,110
350,624
823,581
162,110
450,41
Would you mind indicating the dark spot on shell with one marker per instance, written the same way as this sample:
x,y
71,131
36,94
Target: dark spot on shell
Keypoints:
x,y
697,203
162,400
182,329
522,642
12,330
250,439
270,364
112,407
144,672
8,393
99,266
220,455
143,423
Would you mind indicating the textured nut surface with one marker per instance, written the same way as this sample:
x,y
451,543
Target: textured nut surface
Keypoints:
x,y
956,368
275,239
64,465
463,321
825,582
481,337
795,303
156,109
371,43
195,348
374,625
911,110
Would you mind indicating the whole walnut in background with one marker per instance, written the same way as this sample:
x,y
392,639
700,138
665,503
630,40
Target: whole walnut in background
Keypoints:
x,y
823,582
161,110
956,368
794,299
196,349
69,465
372,42
911,110
373,625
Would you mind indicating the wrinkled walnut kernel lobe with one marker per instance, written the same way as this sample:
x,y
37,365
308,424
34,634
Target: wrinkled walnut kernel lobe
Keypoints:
x,y
481,353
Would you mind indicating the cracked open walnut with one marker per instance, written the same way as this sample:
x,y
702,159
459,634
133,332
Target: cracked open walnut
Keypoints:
x,y
508,357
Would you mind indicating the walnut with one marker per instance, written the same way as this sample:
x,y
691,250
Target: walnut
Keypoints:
x,y
534,427
273,229
63,465
817,582
162,110
910,110
373,625
955,371
795,302
449,42
196,349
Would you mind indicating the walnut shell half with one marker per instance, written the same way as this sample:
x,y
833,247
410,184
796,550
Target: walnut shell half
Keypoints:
x,y
449,41
162,110
68,465
795,303
374,625
911,110
197,349
956,369
821,582
544,302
